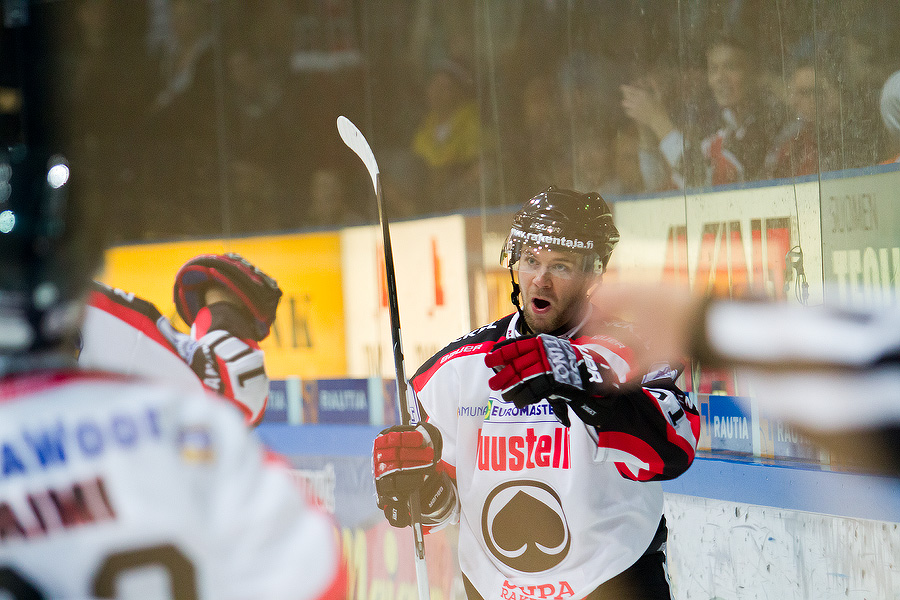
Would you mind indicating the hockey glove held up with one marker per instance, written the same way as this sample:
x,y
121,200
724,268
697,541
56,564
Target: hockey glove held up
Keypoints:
x,y
534,368
405,458
196,354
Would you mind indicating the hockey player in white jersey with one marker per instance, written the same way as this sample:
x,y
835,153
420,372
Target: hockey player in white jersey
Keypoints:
x,y
112,486
543,440
230,306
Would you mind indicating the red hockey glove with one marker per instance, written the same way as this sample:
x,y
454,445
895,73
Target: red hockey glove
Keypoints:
x,y
404,460
534,368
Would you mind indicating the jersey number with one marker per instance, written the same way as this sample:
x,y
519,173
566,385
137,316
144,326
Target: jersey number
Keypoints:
x,y
180,570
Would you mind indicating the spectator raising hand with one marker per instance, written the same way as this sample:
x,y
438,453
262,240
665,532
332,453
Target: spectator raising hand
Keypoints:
x,y
642,102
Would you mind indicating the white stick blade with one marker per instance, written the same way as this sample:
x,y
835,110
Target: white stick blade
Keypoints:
x,y
356,141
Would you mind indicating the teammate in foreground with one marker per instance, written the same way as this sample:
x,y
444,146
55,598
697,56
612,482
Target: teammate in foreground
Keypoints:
x,y
230,306
110,486
831,373
545,442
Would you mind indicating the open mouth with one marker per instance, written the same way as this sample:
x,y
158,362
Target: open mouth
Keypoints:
x,y
540,304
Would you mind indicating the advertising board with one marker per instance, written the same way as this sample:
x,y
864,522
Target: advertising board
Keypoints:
x,y
861,238
432,287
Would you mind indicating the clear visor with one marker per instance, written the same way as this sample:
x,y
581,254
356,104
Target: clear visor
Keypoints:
x,y
559,262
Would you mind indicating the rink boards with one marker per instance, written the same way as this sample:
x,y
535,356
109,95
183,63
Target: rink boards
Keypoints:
x,y
738,528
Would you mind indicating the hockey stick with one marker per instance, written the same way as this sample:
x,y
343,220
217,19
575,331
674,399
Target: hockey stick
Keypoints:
x,y
409,412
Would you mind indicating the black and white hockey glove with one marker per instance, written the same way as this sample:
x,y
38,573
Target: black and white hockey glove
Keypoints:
x,y
198,356
533,368
404,460
225,364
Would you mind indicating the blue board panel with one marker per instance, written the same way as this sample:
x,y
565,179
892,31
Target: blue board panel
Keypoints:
x,y
343,400
276,408
791,487
729,424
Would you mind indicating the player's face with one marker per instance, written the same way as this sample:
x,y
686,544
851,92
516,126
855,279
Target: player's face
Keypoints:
x,y
554,288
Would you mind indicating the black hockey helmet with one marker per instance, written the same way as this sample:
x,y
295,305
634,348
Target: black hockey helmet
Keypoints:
x,y
258,292
561,219
49,247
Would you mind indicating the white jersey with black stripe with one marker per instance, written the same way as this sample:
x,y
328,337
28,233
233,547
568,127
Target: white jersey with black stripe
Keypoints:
x,y
547,511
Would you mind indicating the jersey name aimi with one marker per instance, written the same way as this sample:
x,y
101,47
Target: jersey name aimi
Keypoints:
x,y
108,480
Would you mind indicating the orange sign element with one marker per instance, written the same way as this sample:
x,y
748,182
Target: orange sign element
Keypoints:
x,y
722,268
307,338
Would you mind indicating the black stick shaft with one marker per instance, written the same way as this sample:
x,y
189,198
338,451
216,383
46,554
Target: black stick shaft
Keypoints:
x,y
399,366
393,306
406,403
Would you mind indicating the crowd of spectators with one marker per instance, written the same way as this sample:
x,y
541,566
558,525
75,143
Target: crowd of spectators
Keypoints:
x,y
216,117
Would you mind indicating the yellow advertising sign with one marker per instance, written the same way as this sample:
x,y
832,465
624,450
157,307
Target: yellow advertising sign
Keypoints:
x,y
307,338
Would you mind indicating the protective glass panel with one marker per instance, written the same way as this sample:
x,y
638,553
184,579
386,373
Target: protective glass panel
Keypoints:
x,y
747,149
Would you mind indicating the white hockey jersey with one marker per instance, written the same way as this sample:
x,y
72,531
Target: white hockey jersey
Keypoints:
x,y
548,511
113,487
122,333
119,334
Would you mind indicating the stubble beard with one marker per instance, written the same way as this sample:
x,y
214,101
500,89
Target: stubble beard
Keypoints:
x,y
549,323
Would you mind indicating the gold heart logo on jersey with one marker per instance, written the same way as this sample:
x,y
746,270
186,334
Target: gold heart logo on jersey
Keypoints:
x,y
524,526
